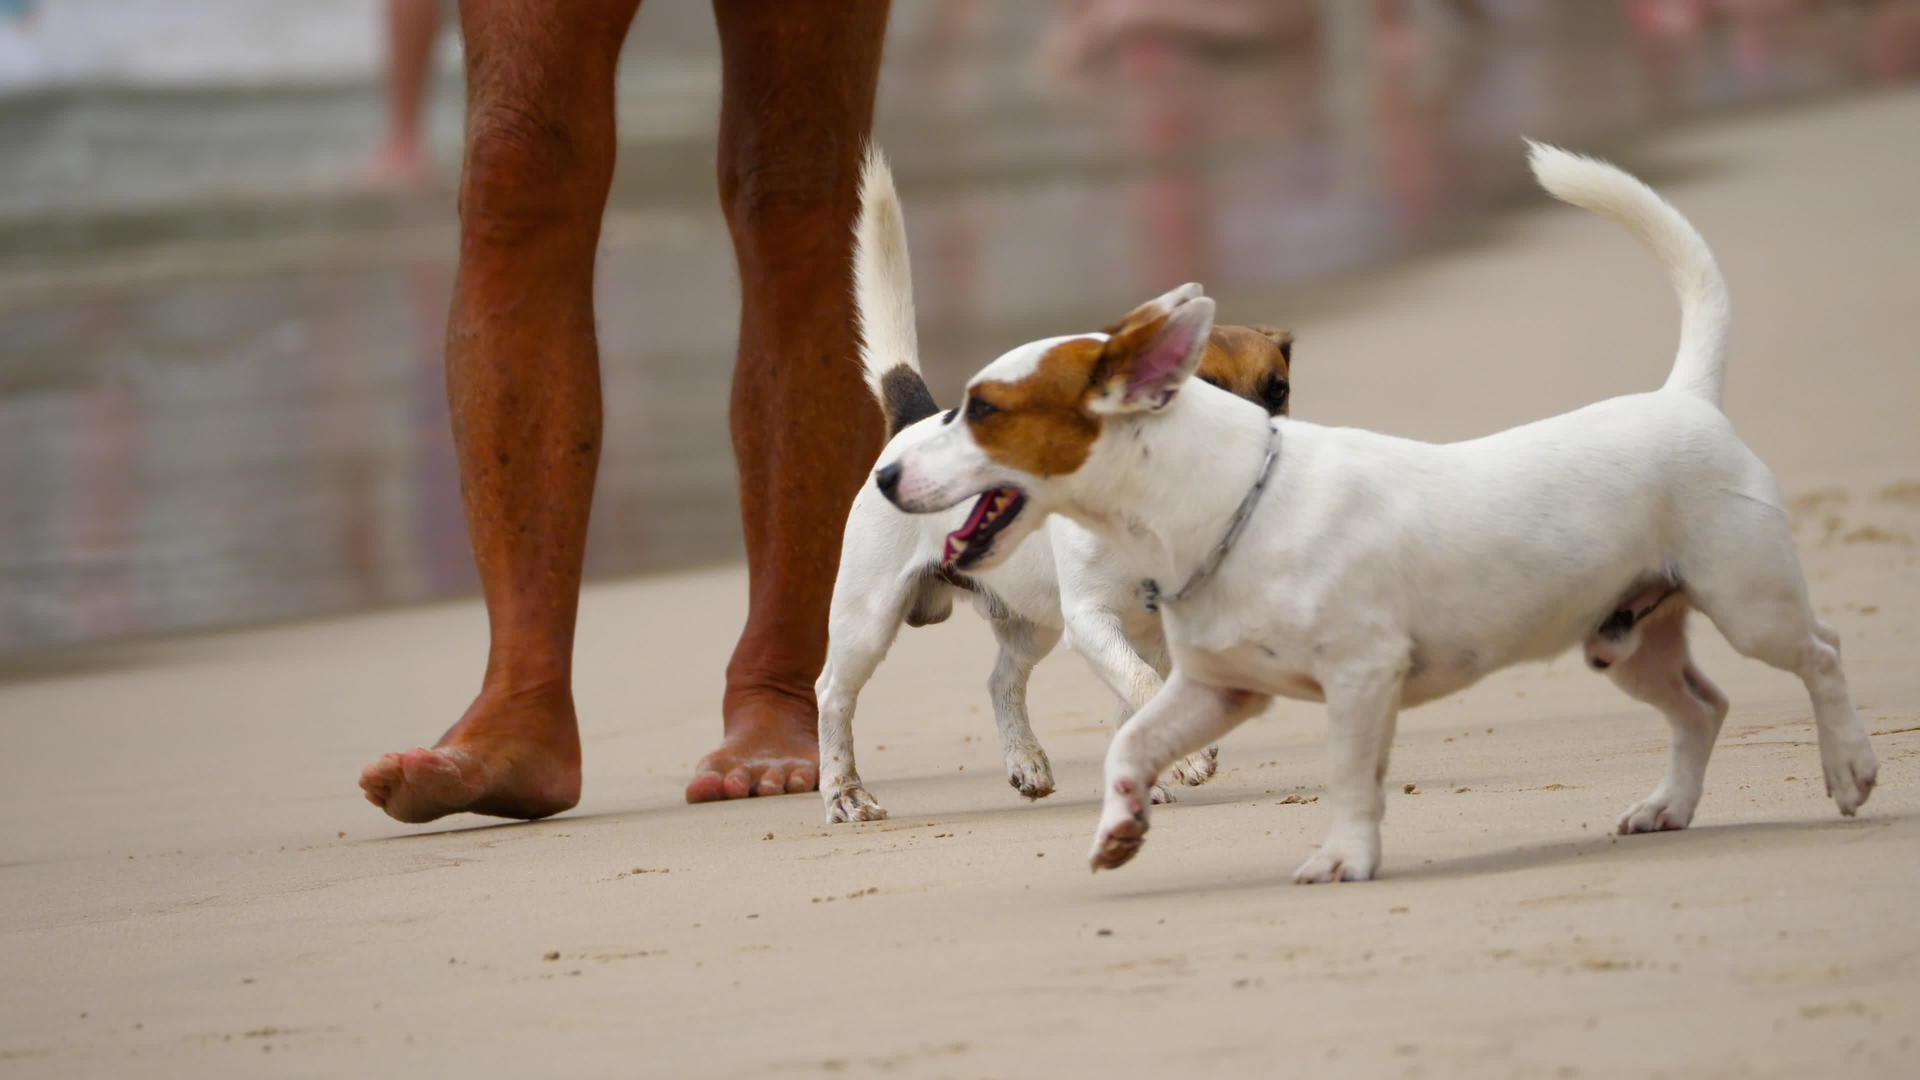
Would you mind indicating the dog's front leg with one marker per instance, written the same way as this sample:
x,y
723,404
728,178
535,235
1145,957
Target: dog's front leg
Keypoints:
x,y
1183,717
1098,633
1198,767
1361,709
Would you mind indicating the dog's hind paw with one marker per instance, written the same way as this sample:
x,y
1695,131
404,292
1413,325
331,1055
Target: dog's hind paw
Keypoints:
x,y
1196,769
852,803
1029,773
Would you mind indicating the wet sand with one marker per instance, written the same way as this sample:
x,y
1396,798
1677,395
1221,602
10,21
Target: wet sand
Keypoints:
x,y
192,885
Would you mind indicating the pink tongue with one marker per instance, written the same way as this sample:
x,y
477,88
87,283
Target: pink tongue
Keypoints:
x,y
979,513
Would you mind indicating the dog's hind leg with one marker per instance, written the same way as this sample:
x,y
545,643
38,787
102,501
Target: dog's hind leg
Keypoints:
x,y
1754,592
1183,717
1362,708
1662,674
1023,644
862,624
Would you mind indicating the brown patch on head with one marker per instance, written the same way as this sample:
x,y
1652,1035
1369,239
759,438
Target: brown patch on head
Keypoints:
x,y
1255,362
1039,423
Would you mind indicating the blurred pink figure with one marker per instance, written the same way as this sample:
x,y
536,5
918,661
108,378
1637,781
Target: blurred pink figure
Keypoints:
x,y
1091,31
412,28
1088,32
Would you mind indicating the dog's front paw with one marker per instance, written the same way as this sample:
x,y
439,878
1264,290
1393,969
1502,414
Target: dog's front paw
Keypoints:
x,y
851,803
1340,860
1159,795
1029,772
1658,812
1850,772
1196,769
1123,826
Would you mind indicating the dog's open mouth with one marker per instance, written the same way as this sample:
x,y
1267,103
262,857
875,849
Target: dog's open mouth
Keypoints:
x,y
992,512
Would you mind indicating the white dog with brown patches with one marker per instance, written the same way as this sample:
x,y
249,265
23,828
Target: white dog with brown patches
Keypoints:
x,y
897,568
1374,573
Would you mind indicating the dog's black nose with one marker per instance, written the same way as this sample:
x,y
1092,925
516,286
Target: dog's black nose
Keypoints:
x,y
887,479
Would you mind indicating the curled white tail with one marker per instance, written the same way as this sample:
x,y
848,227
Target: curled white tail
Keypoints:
x,y
1699,366
883,300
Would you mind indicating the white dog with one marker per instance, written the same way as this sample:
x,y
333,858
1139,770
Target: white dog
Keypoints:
x,y
1372,572
895,567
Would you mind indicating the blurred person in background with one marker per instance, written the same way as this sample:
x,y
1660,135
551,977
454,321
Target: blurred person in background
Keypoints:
x,y
412,28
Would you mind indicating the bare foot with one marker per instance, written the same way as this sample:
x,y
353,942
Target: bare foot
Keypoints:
x,y
770,749
513,755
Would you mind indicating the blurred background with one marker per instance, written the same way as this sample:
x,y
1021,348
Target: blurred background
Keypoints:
x,y
225,266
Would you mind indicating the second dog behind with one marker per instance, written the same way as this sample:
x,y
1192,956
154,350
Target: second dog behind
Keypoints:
x,y
897,568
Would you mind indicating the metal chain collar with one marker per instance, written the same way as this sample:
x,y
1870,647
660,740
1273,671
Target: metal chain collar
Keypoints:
x,y
1151,588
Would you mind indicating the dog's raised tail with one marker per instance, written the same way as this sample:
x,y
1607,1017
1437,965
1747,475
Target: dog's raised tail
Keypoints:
x,y
883,300
1699,367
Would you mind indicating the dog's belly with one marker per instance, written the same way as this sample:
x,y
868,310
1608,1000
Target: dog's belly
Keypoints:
x,y
1431,674
1295,686
1302,686
1422,687
1250,667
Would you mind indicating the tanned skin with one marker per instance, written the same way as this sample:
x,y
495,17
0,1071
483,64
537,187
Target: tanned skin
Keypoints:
x,y
523,378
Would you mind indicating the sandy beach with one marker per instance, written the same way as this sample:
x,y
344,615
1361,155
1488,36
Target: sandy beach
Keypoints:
x,y
191,884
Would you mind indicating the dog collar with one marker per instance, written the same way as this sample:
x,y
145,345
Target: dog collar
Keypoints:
x,y
1151,588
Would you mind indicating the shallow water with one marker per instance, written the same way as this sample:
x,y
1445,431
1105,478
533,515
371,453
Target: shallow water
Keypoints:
x,y
220,386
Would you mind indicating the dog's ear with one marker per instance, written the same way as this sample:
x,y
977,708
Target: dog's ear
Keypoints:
x,y
1155,309
1282,340
1147,359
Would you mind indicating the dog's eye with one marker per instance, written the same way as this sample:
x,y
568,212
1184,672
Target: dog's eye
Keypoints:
x,y
1275,394
979,408
1213,382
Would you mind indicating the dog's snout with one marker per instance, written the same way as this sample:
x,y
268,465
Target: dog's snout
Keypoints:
x,y
887,478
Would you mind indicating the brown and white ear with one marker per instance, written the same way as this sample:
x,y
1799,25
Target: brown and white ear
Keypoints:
x,y
1143,365
1155,309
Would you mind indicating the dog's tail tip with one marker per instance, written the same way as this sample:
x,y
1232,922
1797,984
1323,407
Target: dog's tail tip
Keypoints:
x,y
1575,178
